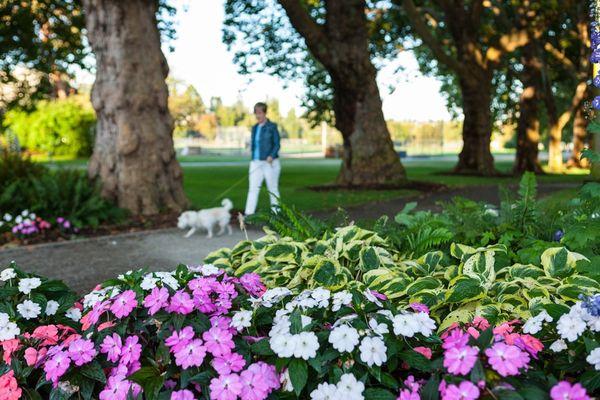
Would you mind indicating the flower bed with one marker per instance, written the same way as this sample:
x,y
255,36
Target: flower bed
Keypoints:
x,y
198,332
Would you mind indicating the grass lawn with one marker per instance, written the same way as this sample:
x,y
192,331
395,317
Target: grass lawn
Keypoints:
x,y
206,184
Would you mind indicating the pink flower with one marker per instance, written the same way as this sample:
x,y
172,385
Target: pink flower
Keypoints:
x,y
465,391
203,285
116,388
192,354
419,307
181,303
454,338
105,325
425,351
111,346
94,315
473,332
228,363
156,300
253,386
481,323
267,372
47,333
9,346
506,359
124,304
252,283
9,390
82,351
218,341
32,356
225,387
182,395
56,366
179,339
504,328
530,344
131,351
565,391
204,303
406,394
460,360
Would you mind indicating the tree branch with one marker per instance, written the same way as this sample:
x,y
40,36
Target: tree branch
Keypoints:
x,y
313,33
561,57
510,42
427,37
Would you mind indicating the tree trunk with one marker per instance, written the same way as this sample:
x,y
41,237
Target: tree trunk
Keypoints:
x,y
341,45
528,127
369,158
579,137
133,155
476,156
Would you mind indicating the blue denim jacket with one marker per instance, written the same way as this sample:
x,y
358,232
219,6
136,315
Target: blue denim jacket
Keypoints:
x,y
269,141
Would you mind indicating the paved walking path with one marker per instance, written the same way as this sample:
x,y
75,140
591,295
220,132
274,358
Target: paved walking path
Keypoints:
x,y
82,263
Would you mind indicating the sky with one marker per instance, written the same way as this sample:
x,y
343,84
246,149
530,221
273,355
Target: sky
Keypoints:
x,y
201,59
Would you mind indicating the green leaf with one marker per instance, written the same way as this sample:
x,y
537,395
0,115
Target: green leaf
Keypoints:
x,y
298,370
464,289
431,389
379,394
262,348
415,360
591,381
93,371
144,374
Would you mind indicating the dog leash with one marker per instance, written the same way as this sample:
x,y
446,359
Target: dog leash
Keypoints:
x,y
235,184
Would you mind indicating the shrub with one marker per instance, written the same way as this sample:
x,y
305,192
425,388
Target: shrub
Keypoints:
x,y
16,168
57,127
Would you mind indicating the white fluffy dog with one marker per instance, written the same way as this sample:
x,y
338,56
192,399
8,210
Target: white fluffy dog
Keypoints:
x,y
207,219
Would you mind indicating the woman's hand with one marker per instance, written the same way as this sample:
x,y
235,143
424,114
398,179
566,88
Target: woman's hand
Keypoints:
x,y
269,159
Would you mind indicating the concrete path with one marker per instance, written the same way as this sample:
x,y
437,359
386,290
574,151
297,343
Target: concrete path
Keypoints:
x,y
82,263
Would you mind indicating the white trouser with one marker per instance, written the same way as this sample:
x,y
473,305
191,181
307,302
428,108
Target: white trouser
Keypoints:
x,y
259,171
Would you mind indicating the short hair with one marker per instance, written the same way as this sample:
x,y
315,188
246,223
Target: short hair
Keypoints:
x,y
262,106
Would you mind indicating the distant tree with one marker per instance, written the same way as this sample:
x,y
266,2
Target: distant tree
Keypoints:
x,y
185,105
329,41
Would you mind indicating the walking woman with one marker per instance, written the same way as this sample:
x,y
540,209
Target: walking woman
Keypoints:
x,y
265,159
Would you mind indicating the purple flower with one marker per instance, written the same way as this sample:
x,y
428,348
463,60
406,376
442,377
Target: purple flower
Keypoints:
x,y
253,285
182,395
131,351
156,300
111,346
596,103
465,391
254,387
124,304
218,341
506,359
228,363
565,391
179,339
226,387
460,360
56,366
116,388
454,338
181,303
267,372
82,351
190,355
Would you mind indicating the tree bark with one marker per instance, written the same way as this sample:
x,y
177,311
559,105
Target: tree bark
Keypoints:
x,y
528,126
476,156
579,139
133,155
341,45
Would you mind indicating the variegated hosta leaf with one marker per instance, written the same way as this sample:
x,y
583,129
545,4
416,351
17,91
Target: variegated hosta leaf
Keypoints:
x,y
464,289
481,265
461,251
280,252
515,300
250,266
428,263
558,262
431,298
525,271
584,281
424,283
451,272
373,257
461,316
572,292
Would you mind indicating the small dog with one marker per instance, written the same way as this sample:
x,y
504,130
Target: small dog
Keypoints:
x,y
207,219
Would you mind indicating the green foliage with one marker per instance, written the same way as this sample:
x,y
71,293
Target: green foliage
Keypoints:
x,y
15,168
58,127
66,193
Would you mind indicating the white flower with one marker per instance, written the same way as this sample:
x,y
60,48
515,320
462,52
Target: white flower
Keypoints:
x,y
285,381
51,307
28,309
377,328
570,327
18,219
94,297
8,273
325,391
25,213
281,327
348,388
373,351
594,358
340,299
307,345
371,297
241,319
168,279
305,320
3,319
558,346
426,324
321,296
387,313
149,282
283,345
344,338
26,285
73,313
406,325
8,330
208,270
533,326
594,324
32,216
8,217
344,319
274,295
